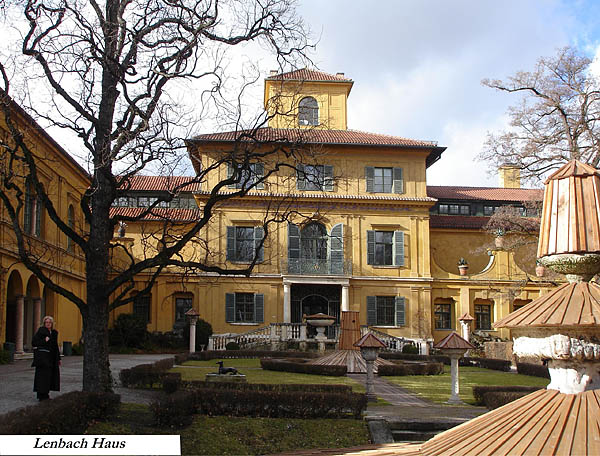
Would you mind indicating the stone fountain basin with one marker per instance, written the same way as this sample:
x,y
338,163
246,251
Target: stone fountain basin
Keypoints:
x,y
320,320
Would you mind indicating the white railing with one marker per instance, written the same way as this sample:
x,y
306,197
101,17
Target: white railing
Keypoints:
x,y
392,343
272,334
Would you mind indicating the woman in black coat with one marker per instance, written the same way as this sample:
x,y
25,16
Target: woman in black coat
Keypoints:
x,y
46,359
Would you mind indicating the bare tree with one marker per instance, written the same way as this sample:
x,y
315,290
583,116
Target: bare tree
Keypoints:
x,y
109,66
556,120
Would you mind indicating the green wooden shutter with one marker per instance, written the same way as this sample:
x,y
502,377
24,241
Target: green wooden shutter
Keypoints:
x,y
259,250
259,172
328,178
230,175
336,249
398,181
398,248
300,177
259,308
230,307
27,215
293,248
400,311
370,247
370,177
371,310
38,216
231,243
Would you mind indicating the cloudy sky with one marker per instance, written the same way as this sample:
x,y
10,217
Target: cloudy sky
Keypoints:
x,y
417,65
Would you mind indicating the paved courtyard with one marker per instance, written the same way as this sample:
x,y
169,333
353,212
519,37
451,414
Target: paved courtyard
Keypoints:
x,y
16,380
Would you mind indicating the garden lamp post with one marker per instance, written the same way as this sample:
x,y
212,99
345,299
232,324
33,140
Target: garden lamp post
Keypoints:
x,y
369,349
193,315
455,347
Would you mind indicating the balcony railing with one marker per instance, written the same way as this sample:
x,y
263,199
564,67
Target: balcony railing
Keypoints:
x,y
304,266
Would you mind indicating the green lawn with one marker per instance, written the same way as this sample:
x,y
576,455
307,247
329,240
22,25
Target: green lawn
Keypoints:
x,y
231,436
436,388
197,370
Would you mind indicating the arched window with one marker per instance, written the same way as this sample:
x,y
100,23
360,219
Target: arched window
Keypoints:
x,y
308,111
32,222
71,223
314,242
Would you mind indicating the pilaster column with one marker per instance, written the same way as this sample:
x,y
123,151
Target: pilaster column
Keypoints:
x,y
20,300
345,298
287,306
37,314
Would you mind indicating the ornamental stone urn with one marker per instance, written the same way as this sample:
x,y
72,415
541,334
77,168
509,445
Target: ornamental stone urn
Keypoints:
x,y
320,321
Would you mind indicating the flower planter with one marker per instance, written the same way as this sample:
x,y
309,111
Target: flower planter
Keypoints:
x,y
499,242
463,270
540,271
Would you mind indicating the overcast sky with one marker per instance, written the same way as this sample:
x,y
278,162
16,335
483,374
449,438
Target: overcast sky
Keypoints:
x,y
417,65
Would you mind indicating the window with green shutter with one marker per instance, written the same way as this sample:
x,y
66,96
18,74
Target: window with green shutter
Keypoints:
x,y
315,177
384,180
386,311
385,248
246,176
244,243
244,307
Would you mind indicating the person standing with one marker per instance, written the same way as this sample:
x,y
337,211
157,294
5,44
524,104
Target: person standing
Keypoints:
x,y
46,359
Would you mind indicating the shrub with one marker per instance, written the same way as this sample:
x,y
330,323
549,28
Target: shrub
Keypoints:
x,y
69,413
4,356
170,382
224,354
413,357
145,375
302,368
181,358
129,330
411,369
78,349
315,388
280,404
409,348
480,391
495,364
535,370
174,410
495,399
232,346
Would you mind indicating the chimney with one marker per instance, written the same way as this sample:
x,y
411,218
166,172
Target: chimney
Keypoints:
x,y
510,176
340,75
273,73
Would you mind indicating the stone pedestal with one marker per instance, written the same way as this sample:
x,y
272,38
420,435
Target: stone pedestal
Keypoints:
x,y
227,378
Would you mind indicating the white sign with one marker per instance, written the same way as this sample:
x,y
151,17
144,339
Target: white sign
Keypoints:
x,y
90,444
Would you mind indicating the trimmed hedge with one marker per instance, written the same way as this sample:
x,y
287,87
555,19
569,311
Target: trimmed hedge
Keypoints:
x,y
145,375
69,413
495,399
480,391
411,369
302,387
414,357
283,365
175,409
171,381
280,404
495,364
224,354
535,370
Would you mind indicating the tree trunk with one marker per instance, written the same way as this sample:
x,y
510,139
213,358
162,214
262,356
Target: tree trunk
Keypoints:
x,y
96,367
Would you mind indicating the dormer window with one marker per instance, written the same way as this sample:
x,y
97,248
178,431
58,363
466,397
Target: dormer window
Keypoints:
x,y
308,112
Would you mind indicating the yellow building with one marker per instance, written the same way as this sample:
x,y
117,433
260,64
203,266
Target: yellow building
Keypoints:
x,y
24,298
369,235
364,232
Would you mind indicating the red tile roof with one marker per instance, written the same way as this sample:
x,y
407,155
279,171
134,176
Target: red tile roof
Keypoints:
x,y
305,74
485,193
159,214
466,222
161,183
315,136
454,341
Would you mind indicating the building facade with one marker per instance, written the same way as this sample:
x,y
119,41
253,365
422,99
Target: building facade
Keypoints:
x,y
362,231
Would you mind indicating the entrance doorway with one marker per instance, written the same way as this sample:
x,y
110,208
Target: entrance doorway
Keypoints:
x,y
309,299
